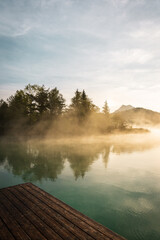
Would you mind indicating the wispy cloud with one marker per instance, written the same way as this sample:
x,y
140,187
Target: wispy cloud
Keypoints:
x,y
130,56
108,47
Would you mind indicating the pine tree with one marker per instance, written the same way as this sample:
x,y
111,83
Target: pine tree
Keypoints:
x,y
106,109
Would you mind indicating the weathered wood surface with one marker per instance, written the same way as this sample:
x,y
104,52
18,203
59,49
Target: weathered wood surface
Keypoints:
x,y
27,212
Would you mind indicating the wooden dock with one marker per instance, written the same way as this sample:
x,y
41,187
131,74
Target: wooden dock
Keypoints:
x,y
27,212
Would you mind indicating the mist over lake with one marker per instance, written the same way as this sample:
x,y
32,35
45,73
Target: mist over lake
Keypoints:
x,y
114,180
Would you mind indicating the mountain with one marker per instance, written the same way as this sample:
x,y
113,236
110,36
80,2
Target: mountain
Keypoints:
x,y
124,108
138,116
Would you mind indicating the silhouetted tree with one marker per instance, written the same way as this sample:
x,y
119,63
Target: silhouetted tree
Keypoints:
x,y
37,98
81,106
3,116
42,100
18,105
56,103
75,106
27,109
106,109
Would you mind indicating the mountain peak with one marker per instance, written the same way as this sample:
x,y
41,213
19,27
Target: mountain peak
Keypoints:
x,y
124,108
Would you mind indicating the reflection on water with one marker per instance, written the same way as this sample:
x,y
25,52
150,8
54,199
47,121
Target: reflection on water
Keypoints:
x,y
115,182
37,162
42,161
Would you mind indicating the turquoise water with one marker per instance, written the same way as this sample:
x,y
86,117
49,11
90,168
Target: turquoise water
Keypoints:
x,y
117,182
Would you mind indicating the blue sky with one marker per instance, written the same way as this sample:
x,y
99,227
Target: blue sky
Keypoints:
x,y
110,48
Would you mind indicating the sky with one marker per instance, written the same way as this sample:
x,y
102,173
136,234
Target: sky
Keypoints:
x,y
110,48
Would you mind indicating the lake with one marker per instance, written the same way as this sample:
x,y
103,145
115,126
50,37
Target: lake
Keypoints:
x,y
115,181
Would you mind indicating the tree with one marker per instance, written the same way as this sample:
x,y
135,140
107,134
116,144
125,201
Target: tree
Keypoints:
x,y
75,106
3,116
81,106
35,103
32,108
42,100
86,104
56,103
106,109
37,100
18,105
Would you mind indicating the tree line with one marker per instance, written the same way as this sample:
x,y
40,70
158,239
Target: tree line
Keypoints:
x,y
37,110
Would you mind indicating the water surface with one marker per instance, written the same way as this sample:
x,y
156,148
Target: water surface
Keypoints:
x,y
116,182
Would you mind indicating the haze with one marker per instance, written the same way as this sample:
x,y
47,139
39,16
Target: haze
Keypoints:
x,y
110,48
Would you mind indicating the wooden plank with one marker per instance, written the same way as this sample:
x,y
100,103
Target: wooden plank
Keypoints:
x,y
27,212
4,232
60,229
12,225
34,218
82,218
92,232
54,214
21,217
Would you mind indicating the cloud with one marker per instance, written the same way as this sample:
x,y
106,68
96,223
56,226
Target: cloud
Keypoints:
x,y
108,47
22,31
129,56
147,30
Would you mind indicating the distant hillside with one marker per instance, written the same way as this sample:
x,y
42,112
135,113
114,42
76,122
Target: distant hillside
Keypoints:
x,y
124,108
138,116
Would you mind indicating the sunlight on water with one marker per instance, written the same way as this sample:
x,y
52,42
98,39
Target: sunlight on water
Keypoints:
x,y
115,181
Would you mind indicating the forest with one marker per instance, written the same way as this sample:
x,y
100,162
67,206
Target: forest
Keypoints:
x,y
37,111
